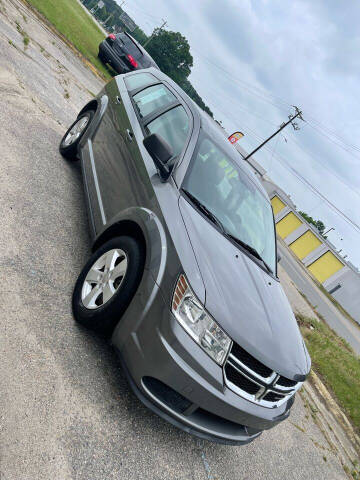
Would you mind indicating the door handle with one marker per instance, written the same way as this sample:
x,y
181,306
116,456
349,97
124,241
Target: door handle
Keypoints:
x,y
117,100
129,135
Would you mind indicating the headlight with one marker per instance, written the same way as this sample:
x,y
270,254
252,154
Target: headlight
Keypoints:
x,y
193,317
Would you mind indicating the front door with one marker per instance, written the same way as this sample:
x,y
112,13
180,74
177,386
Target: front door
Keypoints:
x,y
116,157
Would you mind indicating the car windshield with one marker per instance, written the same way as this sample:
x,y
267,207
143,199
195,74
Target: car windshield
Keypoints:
x,y
214,180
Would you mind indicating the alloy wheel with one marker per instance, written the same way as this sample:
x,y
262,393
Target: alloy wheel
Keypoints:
x,y
104,278
75,131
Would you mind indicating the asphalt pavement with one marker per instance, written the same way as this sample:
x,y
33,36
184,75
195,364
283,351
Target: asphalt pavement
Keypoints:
x,y
338,322
66,409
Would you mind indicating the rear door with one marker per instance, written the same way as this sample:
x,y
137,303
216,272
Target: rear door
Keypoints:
x,y
123,178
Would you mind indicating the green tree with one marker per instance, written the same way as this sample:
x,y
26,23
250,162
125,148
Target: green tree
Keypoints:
x,y
139,35
171,51
318,224
190,90
90,4
102,14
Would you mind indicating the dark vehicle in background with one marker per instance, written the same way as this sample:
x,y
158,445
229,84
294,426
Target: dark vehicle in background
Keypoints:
x,y
183,273
124,53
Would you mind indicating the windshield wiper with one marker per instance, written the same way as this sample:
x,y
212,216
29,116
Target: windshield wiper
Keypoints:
x,y
217,222
204,210
249,248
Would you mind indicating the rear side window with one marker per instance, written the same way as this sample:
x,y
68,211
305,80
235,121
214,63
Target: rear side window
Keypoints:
x,y
131,47
172,126
153,98
139,80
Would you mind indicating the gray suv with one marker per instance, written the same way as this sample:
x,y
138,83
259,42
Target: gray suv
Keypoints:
x,y
183,274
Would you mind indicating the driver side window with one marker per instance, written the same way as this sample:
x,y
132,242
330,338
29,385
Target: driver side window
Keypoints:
x,y
173,126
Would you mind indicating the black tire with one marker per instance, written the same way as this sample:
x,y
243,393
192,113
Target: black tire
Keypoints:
x,y
70,152
104,318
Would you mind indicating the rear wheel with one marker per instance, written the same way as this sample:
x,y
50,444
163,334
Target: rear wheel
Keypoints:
x,y
70,141
107,284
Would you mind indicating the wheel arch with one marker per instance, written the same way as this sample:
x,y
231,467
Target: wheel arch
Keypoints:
x,y
146,227
92,105
98,106
121,228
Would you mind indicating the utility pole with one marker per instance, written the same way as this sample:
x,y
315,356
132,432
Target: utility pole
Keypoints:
x,y
108,18
161,27
298,113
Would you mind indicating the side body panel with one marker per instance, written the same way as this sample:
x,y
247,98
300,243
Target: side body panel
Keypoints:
x,y
124,185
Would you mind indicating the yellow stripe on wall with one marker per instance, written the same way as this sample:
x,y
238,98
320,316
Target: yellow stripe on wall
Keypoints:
x,y
287,225
277,205
305,244
325,266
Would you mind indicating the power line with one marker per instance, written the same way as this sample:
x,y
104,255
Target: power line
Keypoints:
x,y
332,172
272,155
298,114
250,88
152,35
303,180
333,141
329,131
270,98
292,138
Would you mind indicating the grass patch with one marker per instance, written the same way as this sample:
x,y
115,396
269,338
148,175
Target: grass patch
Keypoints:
x,y
336,363
70,19
25,36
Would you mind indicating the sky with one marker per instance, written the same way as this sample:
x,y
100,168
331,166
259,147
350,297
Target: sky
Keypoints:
x,y
254,60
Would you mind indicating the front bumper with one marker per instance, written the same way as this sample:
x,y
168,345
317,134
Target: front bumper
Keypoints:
x,y
176,379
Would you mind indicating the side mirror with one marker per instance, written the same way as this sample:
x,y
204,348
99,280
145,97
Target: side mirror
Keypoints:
x,y
161,152
279,257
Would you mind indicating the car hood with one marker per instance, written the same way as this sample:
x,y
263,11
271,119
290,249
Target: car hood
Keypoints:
x,y
246,302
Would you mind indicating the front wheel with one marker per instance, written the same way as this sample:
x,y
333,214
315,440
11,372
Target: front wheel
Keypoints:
x,y
70,141
107,284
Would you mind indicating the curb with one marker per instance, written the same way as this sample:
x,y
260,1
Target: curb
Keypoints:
x,y
333,423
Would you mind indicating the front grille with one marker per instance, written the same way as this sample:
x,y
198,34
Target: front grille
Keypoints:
x,y
250,361
238,379
285,382
273,397
251,379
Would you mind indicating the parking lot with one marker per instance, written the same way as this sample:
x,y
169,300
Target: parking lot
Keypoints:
x,y
67,411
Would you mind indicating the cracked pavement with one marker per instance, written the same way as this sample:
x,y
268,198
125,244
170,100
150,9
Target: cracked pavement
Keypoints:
x,y
67,411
